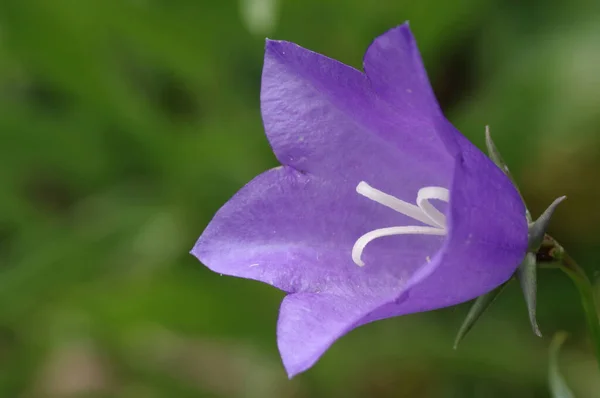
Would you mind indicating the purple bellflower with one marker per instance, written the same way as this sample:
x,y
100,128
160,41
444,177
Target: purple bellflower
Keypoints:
x,y
381,207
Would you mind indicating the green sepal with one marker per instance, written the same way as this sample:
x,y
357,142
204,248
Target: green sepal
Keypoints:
x,y
480,305
537,229
495,156
527,274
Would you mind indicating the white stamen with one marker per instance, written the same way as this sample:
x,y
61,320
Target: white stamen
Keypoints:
x,y
394,203
424,212
423,202
364,240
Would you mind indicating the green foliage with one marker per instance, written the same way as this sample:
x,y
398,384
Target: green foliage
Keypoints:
x,y
558,386
125,124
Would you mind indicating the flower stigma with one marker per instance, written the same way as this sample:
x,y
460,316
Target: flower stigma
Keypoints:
x,y
423,211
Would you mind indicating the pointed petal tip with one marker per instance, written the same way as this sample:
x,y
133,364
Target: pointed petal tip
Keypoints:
x,y
193,250
287,52
270,44
403,31
199,243
309,323
403,28
276,46
198,257
294,370
201,250
293,367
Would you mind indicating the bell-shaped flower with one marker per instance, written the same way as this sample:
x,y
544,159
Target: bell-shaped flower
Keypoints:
x,y
381,207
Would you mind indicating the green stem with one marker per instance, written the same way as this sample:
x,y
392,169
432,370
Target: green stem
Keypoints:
x,y
588,300
586,291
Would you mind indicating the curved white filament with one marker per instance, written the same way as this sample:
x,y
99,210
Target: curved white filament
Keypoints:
x,y
364,240
423,197
424,212
394,203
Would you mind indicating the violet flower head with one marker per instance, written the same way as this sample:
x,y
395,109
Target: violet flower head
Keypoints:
x,y
381,207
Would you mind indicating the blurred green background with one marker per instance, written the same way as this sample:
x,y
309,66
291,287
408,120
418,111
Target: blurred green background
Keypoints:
x,y
125,124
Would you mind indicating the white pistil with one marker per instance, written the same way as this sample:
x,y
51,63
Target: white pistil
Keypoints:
x,y
424,212
434,214
393,203
364,240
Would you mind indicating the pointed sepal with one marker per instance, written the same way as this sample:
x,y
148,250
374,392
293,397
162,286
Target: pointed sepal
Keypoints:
x,y
480,305
537,229
527,274
493,152
495,156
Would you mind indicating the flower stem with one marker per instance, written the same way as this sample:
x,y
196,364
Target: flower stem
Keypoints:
x,y
551,249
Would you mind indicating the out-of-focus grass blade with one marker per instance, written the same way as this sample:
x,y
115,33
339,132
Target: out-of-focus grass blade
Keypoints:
x,y
260,16
558,386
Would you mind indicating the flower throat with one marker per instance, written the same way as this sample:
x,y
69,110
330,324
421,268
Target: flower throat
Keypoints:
x,y
424,212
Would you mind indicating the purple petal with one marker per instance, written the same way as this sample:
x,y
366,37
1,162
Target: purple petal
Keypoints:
x,y
296,232
487,241
309,322
396,72
294,226
323,117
